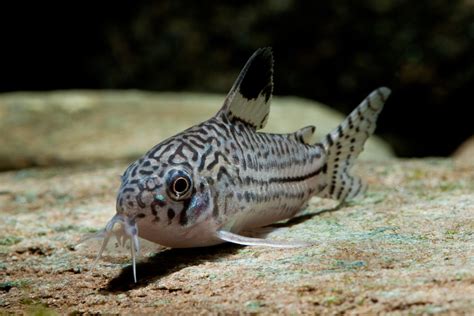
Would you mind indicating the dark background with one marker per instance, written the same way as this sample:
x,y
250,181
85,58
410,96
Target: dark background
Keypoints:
x,y
335,52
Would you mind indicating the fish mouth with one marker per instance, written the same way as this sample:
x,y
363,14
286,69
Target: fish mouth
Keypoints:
x,y
128,231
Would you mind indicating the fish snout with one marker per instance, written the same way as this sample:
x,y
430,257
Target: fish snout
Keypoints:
x,y
139,198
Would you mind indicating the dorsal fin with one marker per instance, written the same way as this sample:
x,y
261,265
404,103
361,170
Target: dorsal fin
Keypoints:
x,y
250,96
305,135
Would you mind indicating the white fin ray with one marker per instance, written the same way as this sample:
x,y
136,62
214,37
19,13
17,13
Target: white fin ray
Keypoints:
x,y
251,241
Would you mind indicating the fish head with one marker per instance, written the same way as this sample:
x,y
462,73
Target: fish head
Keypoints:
x,y
166,197
174,196
161,202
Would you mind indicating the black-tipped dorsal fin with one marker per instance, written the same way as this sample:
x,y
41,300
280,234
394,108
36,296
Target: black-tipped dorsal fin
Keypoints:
x,y
250,96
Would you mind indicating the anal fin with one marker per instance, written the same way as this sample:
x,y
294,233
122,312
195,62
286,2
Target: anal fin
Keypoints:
x,y
251,241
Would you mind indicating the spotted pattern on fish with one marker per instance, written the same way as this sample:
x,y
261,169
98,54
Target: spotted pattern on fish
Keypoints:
x,y
209,183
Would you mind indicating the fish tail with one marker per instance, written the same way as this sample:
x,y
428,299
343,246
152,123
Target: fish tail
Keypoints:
x,y
344,144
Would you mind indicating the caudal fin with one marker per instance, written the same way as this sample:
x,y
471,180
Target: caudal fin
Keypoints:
x,y
344,144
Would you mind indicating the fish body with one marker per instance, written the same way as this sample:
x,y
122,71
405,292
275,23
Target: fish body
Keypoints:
x,y
209,183
241,179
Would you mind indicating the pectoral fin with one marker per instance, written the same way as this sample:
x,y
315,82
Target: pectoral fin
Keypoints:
x,y
250,241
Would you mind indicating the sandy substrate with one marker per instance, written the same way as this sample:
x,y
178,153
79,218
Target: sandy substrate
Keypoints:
x,y
407,247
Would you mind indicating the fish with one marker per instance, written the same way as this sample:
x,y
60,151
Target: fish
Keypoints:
x,y
212,182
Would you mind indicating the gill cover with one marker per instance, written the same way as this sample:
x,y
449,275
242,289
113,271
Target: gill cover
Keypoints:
x,y
196,209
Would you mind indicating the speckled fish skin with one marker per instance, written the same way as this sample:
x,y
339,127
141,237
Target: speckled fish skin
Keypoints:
x,y
207,184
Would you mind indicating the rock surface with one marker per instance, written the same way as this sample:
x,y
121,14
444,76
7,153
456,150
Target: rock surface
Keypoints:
x,y
407,247
64,127
465,152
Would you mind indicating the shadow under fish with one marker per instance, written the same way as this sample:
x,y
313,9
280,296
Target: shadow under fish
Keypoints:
x,y
166,262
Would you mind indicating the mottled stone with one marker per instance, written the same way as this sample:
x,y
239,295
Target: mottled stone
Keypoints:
x,y
464,154
406,247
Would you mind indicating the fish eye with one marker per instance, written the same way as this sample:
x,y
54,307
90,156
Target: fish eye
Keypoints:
x,y
179,184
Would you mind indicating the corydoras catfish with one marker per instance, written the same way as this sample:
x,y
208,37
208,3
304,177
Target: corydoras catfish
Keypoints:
x,y
215,180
